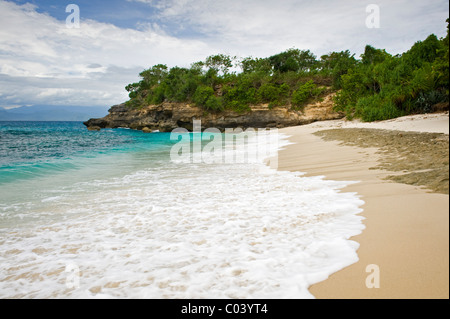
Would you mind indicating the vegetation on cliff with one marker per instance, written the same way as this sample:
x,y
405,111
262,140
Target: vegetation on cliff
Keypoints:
x,y
377,86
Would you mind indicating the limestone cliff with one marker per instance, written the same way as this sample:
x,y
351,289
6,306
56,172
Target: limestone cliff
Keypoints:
x,y
168,116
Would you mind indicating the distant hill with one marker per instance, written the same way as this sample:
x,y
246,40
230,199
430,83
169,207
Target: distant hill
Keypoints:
x,y
52,113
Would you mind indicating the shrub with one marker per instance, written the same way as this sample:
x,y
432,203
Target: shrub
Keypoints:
x,y
202,95
374,108
304,93
425,101
214,104
238,106
268,93
377,86
188,89
158,96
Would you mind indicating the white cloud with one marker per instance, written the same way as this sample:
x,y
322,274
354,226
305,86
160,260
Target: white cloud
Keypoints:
x,y
264,27
37,50
42,61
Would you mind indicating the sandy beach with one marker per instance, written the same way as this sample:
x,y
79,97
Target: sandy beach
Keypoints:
x,y
407,226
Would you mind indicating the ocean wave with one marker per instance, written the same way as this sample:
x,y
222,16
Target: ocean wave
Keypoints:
x,y
181,230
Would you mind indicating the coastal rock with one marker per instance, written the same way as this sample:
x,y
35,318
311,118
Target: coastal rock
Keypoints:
x,y
169,116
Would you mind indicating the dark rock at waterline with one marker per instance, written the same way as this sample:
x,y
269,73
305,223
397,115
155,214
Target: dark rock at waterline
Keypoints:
x,y
169,116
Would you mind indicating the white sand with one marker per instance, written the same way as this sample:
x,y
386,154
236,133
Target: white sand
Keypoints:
x,y
407,228
432,123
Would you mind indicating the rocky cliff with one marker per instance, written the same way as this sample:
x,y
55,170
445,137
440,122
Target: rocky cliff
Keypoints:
x,y
168,116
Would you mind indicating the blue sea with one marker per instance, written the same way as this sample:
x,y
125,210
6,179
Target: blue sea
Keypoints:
x,y
111,214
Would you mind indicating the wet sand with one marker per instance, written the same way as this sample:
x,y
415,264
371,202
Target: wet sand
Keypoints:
x,y
406,219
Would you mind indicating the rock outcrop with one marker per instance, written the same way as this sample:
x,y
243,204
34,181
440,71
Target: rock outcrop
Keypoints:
x,y
168,116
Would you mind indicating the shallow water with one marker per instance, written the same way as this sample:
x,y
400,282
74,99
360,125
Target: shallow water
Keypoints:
x,y
109,215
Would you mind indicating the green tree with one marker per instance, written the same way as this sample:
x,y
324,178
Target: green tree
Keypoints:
x,y
293,60
133,89
153,76
219,62
197,68
376,86
202,95
304,93
373,56
214,103
249,65
337,64
441,65
175,84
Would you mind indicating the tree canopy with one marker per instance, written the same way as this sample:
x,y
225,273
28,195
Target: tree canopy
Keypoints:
x,y
376,86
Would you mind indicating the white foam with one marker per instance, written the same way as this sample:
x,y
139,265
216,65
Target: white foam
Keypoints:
x,y
185,231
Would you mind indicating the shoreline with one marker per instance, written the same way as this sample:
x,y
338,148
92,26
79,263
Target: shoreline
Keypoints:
x,y
407,227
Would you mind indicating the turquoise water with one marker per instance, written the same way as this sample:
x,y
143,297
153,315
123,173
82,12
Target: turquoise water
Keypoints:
x,y
33,149
110,214
41,160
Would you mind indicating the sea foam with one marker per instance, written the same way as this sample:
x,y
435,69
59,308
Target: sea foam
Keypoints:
x,y
183,230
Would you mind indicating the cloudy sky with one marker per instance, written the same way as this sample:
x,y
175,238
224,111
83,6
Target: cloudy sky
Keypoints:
x,y
43,61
